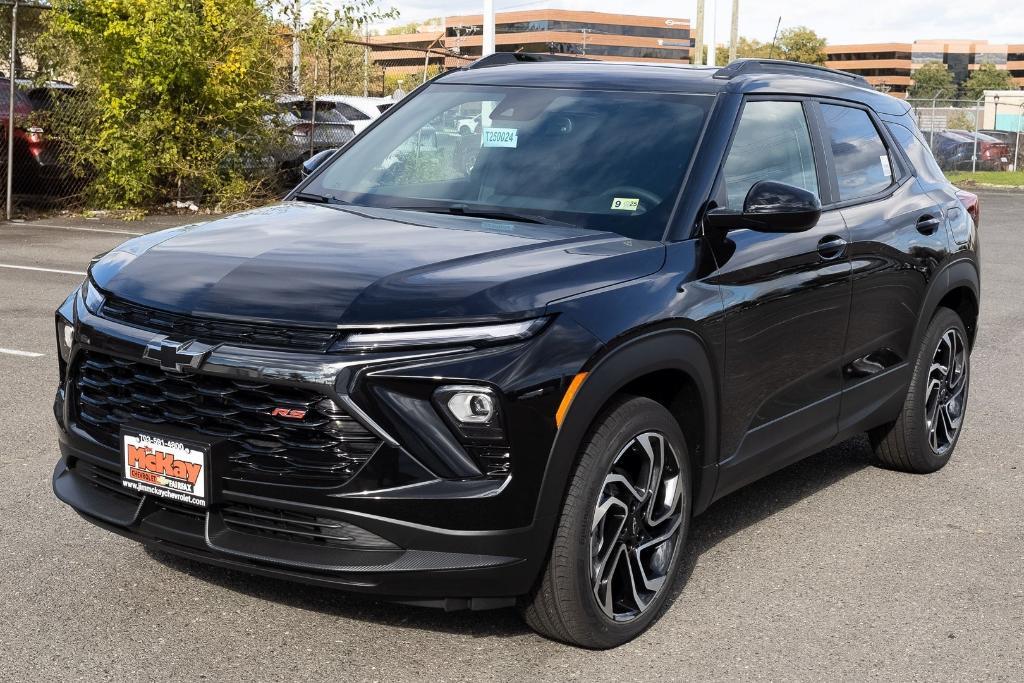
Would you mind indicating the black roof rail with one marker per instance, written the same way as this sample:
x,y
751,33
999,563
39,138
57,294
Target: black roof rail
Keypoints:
x,y
781,66
504,58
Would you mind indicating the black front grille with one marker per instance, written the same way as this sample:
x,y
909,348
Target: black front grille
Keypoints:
x,y
213,330
324,448
300,528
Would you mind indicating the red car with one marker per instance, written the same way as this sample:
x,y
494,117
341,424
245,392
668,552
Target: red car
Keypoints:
x,y
993,153
22,108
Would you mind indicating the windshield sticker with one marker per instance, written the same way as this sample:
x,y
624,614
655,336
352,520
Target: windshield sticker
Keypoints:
x,y
500,137
886,168
625,204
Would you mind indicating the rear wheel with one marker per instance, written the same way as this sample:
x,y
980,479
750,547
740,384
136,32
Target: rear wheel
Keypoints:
x,y
620,535
924,435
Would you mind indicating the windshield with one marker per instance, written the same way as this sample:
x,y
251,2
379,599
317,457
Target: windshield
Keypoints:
x,y
591,159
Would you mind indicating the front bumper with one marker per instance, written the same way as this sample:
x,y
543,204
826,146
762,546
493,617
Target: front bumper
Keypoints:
x,y
452,539
449,579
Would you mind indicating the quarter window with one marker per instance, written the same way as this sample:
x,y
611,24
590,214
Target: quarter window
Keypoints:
x,y
863,165
771,143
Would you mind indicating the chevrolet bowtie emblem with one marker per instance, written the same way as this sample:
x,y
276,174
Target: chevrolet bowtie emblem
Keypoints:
x,y
177,356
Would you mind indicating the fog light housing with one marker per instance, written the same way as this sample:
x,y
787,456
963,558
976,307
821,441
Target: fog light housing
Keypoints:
x,y
472,406
473,411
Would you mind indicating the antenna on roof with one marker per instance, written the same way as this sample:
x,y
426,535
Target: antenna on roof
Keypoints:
x,y
771,50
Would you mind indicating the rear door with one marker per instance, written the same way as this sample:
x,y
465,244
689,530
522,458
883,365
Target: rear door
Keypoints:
x,y
787,299
897,240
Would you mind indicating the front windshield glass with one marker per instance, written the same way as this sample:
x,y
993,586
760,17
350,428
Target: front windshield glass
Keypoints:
x,y
598,160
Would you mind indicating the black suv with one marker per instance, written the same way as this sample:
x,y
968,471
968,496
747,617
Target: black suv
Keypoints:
x,y
506,368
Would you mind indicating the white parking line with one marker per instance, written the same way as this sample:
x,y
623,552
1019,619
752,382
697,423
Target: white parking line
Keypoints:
x,y
72,227
43,270
25,354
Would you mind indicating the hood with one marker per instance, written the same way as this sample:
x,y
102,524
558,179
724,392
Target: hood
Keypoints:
x,y
318,265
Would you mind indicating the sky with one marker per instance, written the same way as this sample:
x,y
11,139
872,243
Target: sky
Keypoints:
x,y
867,21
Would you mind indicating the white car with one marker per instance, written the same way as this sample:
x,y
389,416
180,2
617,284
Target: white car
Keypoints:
x,y
361,111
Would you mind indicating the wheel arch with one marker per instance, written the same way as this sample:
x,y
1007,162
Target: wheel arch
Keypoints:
x,y
641,366
958,287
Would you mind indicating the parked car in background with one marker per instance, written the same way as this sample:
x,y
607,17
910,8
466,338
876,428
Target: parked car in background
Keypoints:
x,y
22,108
360,111
954,150
1012,140
306,135
41,166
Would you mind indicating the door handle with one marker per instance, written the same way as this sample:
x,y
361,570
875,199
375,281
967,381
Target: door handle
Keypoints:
x,y
831,247
927,224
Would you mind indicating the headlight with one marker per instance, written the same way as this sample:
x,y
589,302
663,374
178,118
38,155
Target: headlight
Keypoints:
x,y
91,297
476,335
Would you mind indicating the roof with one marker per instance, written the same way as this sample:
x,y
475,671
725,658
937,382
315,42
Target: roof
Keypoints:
x,y
742,76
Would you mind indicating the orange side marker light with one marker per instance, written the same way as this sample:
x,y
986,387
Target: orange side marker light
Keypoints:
x,y
570,394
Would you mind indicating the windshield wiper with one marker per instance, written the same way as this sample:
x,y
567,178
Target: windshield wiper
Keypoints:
x,y
485,212
316,198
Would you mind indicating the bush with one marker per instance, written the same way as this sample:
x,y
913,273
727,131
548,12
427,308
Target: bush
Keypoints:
x,y
960,120
175,94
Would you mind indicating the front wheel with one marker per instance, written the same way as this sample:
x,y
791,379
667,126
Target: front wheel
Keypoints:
x,y
621,532
924,435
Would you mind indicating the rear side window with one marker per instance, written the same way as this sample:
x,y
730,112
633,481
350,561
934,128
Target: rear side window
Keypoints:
x,y
350,112
919,154
771,143
863,166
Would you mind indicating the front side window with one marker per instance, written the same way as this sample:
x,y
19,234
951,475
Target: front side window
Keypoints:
x,y
598,160
771,143
863,166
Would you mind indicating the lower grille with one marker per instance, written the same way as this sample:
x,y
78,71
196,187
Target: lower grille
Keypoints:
x,y
323,448
301,528
110,482
105,479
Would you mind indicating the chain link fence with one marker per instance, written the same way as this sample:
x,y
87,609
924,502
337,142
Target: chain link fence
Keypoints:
x,y
963,138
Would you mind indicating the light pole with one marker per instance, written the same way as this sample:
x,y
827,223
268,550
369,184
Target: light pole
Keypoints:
x,y
977,120
10,109
1016,148
995,100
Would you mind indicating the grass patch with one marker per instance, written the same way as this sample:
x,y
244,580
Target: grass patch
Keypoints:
x,y
1001,178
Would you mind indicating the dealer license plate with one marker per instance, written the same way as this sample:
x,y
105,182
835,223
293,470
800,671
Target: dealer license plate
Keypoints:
x,y
164,466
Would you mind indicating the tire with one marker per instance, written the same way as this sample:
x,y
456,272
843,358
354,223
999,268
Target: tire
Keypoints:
x,y
924,436
629,532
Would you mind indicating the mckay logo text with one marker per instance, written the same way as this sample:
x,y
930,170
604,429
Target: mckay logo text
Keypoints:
x,y
162,469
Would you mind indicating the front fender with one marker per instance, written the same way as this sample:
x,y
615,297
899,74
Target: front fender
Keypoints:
x,y
672,349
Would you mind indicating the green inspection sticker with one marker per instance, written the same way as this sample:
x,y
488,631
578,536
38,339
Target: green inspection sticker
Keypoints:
x,y
625,203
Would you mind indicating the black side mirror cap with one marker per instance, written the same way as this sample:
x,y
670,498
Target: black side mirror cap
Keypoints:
x,y
315,161
770,207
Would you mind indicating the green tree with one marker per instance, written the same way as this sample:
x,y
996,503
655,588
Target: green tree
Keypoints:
x,y
987,77
30,25
175,94
801,44
331,63
745,48
930,80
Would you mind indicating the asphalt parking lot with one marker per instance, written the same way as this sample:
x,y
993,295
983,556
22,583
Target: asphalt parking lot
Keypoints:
x,y
832,568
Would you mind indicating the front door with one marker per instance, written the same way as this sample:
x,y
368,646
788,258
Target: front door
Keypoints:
x,y
787,302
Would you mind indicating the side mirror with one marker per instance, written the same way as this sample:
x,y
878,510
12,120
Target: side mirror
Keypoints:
x,y
770,207
314,162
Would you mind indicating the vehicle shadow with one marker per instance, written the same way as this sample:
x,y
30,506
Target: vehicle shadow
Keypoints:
x,y
727,517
